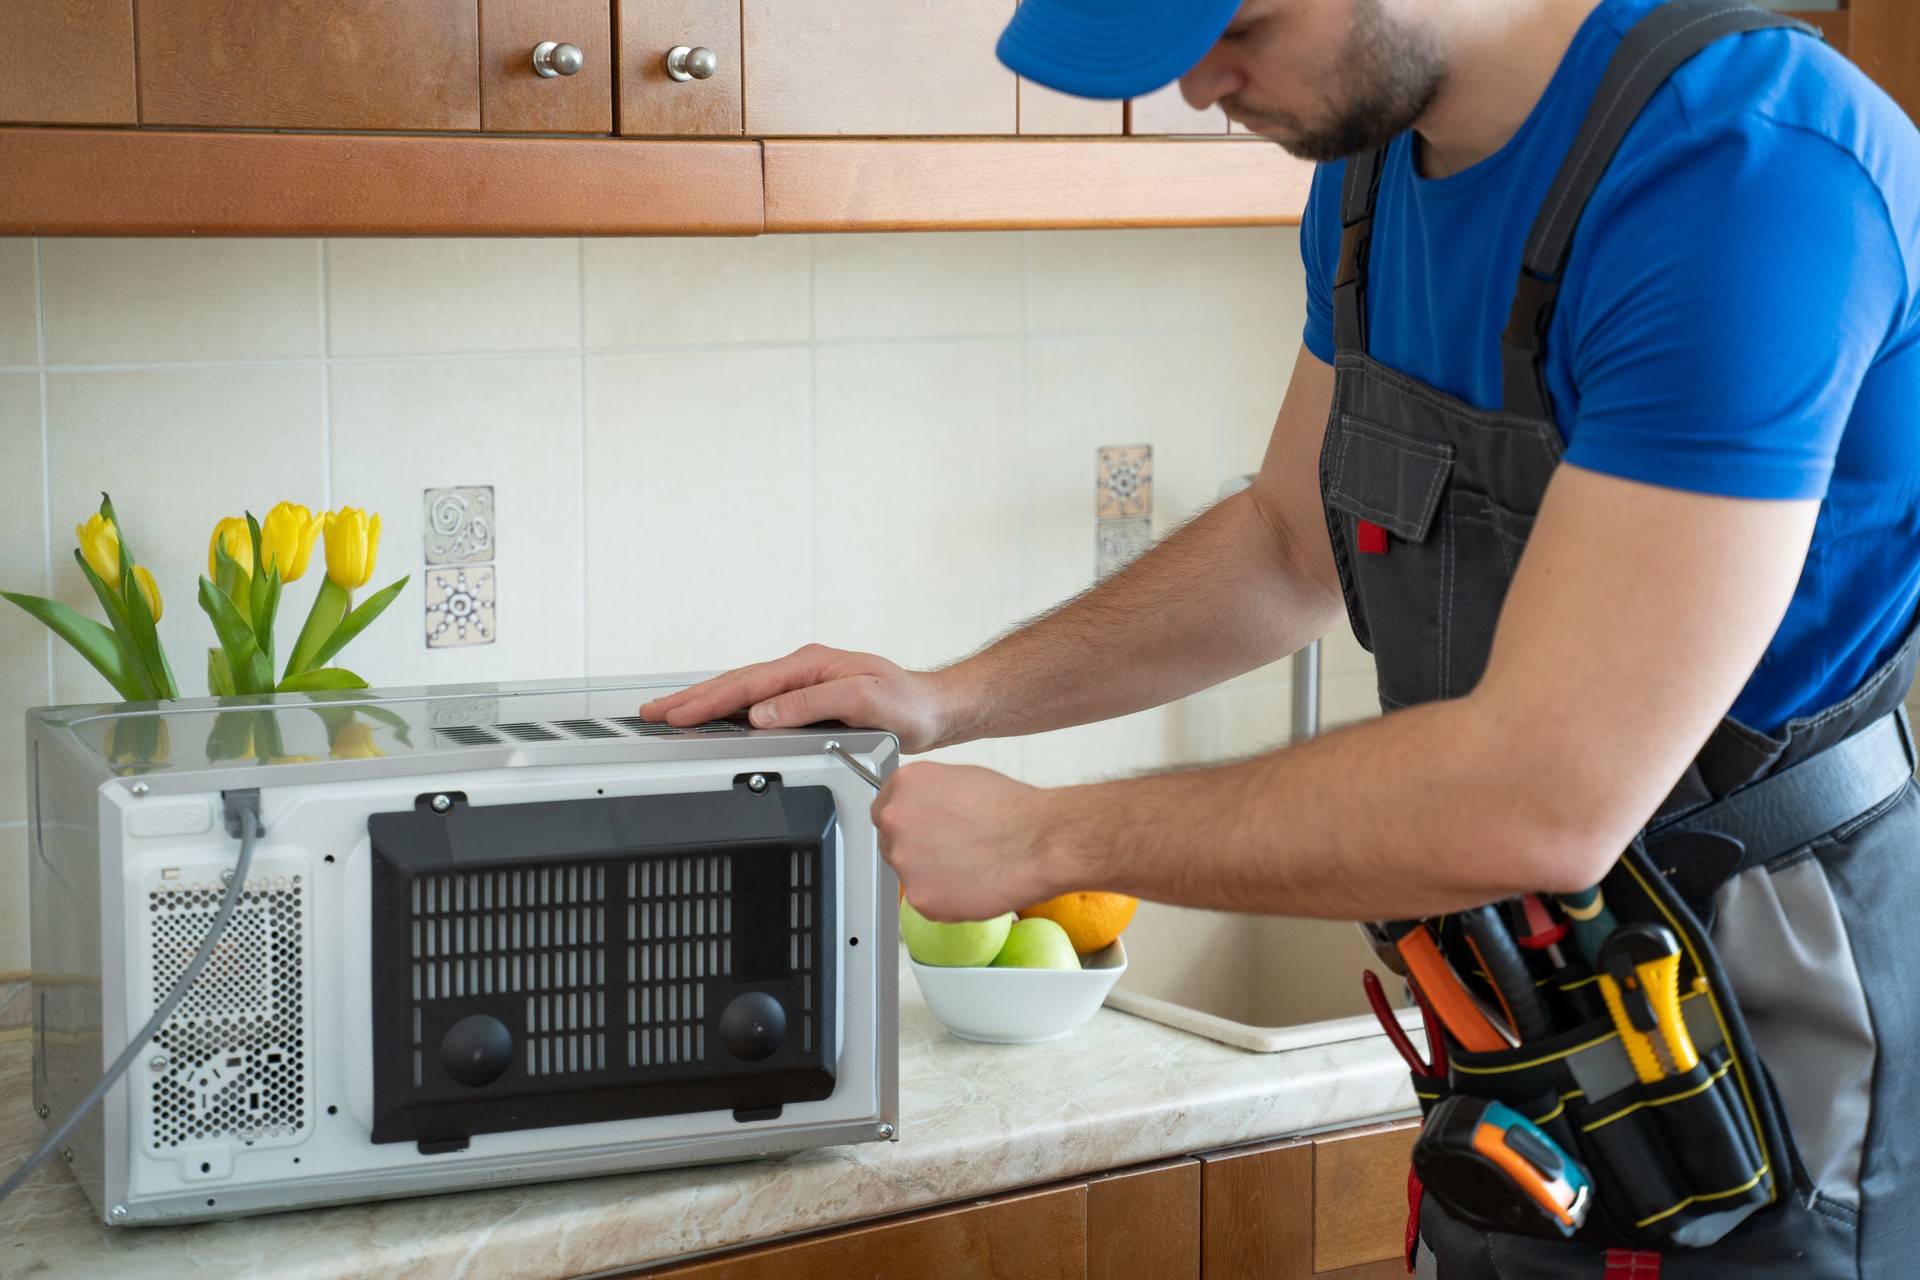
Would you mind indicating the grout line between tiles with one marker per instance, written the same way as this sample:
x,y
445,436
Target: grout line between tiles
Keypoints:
x,y
580,502
46,445
326,384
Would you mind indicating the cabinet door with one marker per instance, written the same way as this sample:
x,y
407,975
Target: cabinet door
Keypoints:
x,y
1883,36
876,67
1144,1224
1332,1207
515,97
310,64
1036,1235
652,101
66,62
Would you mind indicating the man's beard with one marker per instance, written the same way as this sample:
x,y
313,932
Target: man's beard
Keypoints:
x,y
1388,75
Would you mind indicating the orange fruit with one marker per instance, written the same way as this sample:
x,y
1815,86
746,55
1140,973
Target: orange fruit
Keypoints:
x,y
1092,919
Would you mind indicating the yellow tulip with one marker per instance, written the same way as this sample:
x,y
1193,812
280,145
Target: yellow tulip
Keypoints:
x,y
233,534
353,541
286,539
100,544
144,580
355,741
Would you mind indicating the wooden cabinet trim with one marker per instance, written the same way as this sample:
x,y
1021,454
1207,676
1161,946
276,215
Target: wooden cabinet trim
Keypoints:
x,y
66,182
1144,1223
67,63
1353,1226
514,98
887,185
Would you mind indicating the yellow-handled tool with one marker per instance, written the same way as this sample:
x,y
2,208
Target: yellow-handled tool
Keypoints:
x,y
1640,981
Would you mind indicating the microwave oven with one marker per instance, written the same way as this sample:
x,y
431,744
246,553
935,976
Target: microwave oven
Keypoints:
x,y
488,934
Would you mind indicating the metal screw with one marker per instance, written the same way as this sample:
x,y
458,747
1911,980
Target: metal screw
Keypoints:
x,y
157,1062
40,1109
139,788
118,1213
226,877
886,1132
441,804
66,1153
757,783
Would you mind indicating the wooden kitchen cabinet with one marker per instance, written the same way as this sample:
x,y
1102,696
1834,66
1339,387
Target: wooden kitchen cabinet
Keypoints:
x,y
1144,1224
1332,1206
67,63
652,101
515,97
881,67
309,64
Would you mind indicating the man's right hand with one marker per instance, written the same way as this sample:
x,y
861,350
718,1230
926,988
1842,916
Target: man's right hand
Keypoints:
x,y
816,683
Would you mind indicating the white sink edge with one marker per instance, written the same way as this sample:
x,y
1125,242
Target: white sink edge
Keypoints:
x,y
1258,1039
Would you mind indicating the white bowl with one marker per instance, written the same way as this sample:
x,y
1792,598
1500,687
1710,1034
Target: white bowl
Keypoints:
x,y
1019,1006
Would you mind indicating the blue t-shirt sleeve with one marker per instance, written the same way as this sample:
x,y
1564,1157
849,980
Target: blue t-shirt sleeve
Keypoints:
x,y
1736,288
1320,254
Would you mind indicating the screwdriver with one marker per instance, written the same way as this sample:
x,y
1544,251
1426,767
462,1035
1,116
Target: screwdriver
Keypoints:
x,y
1640,981
1593,920
1452,1002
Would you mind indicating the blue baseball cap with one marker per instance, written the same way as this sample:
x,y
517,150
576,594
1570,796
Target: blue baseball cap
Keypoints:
x,y
1111,48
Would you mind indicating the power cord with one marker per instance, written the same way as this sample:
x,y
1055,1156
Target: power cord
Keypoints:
x,y
242,812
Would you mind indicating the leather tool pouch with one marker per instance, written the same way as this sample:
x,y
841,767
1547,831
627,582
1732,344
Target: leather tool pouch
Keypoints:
x,y
1675,1163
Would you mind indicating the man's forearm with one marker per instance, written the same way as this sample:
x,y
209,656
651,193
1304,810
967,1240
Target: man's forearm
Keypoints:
x,y
1224,594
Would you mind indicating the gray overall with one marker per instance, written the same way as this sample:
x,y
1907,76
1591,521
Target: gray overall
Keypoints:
x,y
1798,852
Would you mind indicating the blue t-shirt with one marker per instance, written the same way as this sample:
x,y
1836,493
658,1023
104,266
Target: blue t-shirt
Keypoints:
x,y
1740,315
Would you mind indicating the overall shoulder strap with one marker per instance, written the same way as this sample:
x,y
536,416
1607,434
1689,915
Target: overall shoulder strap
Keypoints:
x,y
1357,199
1651,52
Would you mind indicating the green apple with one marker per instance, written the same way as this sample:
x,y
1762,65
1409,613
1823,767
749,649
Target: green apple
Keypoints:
x,y
1037,944
953,946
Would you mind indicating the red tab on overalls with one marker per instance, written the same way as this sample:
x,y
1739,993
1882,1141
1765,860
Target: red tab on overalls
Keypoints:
x,y
1632,1264
1414,1194
1372,539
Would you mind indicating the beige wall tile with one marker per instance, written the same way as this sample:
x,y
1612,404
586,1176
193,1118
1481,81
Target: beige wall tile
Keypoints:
x,y
1347,699
668,292
15,938
403,427
1153,739
1255,367
1341,654
1085,392
1253,720
177,449
918,497
23,567
443,296
19,303
700,544
900,286
1124,279
1264,282
141,301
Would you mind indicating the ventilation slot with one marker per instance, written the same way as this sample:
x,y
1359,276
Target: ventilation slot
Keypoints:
x,y
469,735
680,917
235,1057
530,732
587,728
645,728
720,726
800,936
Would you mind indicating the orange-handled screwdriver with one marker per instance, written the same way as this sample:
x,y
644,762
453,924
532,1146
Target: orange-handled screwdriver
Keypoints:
x,y
1452,1002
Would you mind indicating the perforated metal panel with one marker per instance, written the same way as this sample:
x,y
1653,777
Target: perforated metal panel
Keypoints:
x,y
235,1049
579,730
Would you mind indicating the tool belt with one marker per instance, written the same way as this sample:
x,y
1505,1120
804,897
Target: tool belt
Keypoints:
x,y
1679,1160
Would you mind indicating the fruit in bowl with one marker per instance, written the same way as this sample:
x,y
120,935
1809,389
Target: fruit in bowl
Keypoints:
x,y
1032,988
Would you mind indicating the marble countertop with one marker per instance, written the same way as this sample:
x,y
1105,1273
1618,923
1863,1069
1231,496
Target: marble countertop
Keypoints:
x,y
974,1119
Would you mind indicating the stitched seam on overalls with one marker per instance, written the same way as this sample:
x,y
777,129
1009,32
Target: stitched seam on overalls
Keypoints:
x,y
1818,1203
1367,509
1500,539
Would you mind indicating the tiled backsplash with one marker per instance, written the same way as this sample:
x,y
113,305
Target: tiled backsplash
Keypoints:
x,y
693,453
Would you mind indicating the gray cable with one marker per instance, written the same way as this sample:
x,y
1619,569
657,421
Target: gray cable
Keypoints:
x,y
248,827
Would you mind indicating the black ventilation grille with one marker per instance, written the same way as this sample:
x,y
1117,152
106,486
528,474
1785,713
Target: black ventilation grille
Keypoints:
x,y
484,735
597,976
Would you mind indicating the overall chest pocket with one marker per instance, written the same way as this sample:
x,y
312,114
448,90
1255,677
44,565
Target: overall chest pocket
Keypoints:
x,y
1425,559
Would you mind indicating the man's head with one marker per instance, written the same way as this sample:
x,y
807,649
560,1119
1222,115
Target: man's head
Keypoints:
x,y
1323,78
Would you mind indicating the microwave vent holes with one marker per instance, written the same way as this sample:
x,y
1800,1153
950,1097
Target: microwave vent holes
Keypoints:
x,y
579,730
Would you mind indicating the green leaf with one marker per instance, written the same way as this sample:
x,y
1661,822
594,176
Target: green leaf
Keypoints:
x,y
106,509
322,678
263,617
356,622
266,736
257,594
146,638
89,639
235,583
116,611
329,607
231,736
219,673
390,718
251,674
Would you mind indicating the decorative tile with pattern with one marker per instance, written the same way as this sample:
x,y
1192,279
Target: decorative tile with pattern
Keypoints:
x,y
1118,543
460,605
1123,481
459,524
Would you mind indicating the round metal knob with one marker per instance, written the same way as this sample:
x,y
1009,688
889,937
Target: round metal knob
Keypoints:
x,y
551,59
696,63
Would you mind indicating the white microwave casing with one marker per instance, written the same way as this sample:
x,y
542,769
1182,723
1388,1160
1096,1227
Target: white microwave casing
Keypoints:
x,y
258,1094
